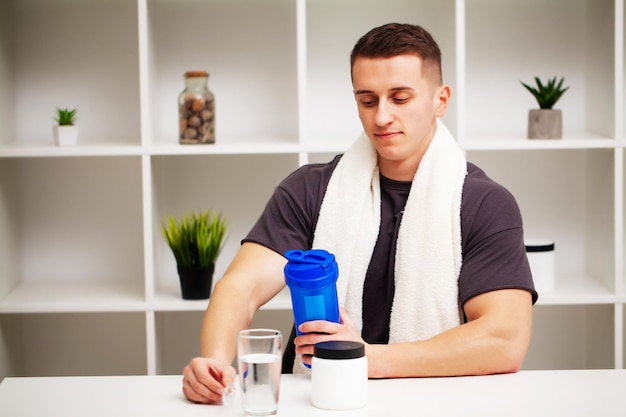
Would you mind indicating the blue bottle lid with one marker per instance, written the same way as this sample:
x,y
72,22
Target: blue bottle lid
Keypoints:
x,y
314,268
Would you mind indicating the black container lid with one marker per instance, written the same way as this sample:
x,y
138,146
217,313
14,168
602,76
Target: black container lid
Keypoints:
x,y
539,247
339,349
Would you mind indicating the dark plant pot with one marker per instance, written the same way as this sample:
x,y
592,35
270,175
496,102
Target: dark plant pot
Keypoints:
x,y
195,282
545,124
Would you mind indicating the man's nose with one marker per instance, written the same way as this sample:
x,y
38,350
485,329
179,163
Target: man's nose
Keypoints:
x,y
383,114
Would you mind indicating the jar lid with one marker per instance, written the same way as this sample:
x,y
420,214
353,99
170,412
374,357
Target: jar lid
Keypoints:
x,y
339,349
539,245
193,74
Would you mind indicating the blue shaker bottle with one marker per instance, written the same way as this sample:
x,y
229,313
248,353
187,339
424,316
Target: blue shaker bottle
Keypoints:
x,y
312,279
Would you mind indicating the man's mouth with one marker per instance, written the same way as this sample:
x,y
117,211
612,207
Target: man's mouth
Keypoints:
x,y
386,135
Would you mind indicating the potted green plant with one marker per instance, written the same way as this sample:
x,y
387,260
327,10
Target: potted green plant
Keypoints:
x,y
546,122
196,240
65,131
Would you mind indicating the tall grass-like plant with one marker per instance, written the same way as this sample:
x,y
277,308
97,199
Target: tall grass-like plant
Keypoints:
x,y
547,94
195,239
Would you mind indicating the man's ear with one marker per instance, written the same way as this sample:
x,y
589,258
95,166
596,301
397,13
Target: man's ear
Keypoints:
x,y
442,99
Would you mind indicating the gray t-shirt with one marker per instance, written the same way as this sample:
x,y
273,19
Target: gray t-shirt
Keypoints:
x,y
494,255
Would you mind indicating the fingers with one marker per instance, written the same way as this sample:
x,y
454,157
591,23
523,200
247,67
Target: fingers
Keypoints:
x,y
307,359
204,380
229,375
319,326
316,331
329,327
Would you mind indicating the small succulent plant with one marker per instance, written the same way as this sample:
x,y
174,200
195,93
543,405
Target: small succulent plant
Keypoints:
x,y
547,94
65,117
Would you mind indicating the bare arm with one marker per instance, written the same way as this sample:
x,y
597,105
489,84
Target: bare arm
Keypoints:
x,y
252,279
494,340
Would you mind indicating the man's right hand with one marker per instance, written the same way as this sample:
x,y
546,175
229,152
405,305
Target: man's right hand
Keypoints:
x,y
205,380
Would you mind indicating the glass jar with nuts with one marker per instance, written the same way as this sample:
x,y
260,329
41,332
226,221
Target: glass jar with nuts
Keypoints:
x,y
196,110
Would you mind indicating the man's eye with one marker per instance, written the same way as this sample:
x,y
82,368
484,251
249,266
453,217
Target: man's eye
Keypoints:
x,y
401,100
368,103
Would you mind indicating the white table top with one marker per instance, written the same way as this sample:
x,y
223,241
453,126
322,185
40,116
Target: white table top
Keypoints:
x,y
527,393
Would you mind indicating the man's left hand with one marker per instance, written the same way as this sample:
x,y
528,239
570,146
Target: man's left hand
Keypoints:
x,y
321,331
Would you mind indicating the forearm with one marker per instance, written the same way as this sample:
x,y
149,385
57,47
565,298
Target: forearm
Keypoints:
x,y
465,350
228,312
495,340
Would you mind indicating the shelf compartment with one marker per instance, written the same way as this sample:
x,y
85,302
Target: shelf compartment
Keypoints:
x,y
623,334
572,289
332,30
565,196
580,48
622,261
520,142
621,95
9,224
72,220
73,54
171,301
252,65
74,296
251,146
178,336
237,185
572,337
74,344
29,150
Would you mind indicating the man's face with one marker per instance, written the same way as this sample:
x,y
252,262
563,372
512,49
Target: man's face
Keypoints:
x,y
398,102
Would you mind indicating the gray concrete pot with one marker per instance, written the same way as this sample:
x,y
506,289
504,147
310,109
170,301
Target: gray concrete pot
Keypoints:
x,y
545,124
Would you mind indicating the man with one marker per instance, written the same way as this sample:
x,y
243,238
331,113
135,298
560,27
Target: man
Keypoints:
x,y
433,274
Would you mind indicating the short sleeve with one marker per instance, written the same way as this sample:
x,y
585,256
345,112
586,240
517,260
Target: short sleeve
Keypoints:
x,y
494,255
290,216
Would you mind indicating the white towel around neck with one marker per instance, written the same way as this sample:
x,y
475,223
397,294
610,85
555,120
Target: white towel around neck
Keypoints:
x,y
428,254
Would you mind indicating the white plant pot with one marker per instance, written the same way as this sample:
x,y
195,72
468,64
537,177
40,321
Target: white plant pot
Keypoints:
x,y
65,135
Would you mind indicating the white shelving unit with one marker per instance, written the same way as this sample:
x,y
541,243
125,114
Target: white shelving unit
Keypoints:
x,y
87,284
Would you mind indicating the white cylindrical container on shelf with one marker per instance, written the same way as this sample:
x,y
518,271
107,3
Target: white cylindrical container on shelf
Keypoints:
x,y
339,375
540,255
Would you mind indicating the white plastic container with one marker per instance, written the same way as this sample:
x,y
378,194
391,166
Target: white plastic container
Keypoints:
x,y
339,375
540,255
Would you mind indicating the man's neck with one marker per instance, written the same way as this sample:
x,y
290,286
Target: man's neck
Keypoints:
x,y
398,170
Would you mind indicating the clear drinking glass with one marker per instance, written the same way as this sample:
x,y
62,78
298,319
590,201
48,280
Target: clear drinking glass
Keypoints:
x,y
260,362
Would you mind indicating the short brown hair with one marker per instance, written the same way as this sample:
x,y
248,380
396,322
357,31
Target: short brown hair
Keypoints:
x,y
394,39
